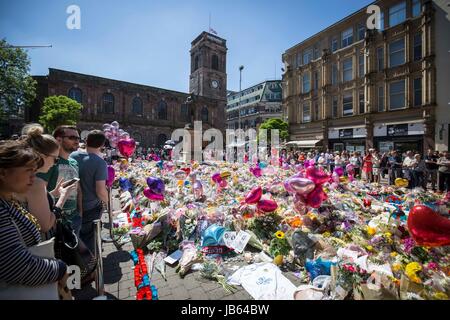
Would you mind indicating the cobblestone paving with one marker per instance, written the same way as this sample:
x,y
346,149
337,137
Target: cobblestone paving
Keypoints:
x,y
119,278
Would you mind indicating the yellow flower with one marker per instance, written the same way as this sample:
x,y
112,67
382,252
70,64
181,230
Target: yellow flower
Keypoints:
x,y
440,296
411,271
370,248
397,267
371,231
279,234
394,254
326,234
387,234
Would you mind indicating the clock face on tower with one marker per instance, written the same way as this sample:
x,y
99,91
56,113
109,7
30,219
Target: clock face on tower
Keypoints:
x,y
215,84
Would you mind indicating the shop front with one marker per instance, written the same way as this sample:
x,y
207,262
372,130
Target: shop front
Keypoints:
x,y
399,136
349,139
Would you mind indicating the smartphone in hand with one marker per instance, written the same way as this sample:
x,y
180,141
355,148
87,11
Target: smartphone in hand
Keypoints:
x,y
70,182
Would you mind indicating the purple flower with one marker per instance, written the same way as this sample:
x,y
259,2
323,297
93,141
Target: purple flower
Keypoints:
x,y
409,244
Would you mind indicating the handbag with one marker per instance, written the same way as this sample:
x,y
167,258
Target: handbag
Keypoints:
x,y
43,292
70,249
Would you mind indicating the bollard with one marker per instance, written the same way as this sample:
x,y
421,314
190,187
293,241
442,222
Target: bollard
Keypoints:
x,y
99,281
111,236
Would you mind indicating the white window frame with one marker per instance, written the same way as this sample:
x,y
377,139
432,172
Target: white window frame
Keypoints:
x,y
344,112
306,79
308,118
397,11
344,70
400,93
347,37
397,52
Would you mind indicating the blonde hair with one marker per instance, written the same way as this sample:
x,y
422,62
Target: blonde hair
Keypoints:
x,y
34,135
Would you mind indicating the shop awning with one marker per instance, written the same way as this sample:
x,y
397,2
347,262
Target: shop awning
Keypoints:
x,y
304,143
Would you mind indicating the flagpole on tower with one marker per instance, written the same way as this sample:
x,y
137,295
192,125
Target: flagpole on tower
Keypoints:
x,y
209,27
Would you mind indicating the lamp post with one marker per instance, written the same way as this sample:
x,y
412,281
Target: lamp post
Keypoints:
x,y
240,93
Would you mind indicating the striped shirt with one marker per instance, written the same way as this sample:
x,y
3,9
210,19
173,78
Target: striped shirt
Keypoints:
x,y
17,264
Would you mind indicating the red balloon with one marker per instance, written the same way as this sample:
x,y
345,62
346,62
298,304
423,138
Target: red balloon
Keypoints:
x,y
126,147
316,197
318,176
153,196
428,228
267,205
187,170
254,196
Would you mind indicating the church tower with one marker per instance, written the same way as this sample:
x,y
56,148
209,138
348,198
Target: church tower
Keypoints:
x,y
208,67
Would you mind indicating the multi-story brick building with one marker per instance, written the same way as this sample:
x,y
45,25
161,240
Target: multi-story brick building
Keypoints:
x,y
389,88
254,105
148,113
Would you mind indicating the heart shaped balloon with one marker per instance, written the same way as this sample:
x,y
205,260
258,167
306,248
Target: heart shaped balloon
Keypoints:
x,y
317,176
256,171
153,196
266,205
299,204
339,171
111,176
156,185
301,185
126,147
287,186
187,170
316,197
254,195
428,228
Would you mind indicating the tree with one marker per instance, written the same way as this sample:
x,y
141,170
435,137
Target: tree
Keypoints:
x,y
275,123
17,87
58,110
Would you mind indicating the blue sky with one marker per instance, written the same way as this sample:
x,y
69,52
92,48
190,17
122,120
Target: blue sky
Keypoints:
x,y
148,42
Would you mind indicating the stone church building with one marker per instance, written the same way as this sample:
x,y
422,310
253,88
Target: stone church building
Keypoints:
x,y
148,113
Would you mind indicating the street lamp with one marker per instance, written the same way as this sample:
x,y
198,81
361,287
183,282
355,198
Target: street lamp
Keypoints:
x,y
240,93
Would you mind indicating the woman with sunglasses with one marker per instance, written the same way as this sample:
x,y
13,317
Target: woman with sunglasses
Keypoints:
x,y
40,203
19,230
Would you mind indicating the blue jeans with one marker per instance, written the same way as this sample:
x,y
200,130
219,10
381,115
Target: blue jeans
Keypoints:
x,y
87,233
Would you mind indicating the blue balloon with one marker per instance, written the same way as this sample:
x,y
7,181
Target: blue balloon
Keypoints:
x,y
212,236
318,267
125,184
262,165
160,164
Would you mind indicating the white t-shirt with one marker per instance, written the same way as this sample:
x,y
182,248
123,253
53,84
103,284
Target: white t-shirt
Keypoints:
x,y
408,161
264,281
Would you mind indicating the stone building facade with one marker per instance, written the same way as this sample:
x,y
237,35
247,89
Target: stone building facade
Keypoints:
x,y
148,113
252,106
351,88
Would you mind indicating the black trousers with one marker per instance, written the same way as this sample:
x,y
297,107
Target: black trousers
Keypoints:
x,y
444,181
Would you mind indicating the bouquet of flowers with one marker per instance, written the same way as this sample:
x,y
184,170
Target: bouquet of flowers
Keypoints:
x,y
210,270
265,226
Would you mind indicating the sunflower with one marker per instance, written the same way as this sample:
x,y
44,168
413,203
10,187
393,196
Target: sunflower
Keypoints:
x,y
279,234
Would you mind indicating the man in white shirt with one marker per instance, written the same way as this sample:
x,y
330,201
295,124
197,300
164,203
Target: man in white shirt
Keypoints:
x,y
408,166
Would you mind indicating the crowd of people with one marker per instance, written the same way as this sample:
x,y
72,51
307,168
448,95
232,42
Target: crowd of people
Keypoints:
x,y
429,171
45,180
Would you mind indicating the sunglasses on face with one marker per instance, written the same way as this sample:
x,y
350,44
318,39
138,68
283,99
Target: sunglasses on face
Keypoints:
x,y
73,138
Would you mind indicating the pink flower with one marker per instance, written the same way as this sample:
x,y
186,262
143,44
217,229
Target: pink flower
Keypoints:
x,y
433,266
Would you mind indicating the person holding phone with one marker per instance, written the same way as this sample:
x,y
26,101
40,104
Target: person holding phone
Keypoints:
x,y
39,202
66,169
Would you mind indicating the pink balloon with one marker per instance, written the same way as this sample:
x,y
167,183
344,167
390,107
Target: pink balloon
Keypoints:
x,y
299,204
111,176
349,167
317,176
301,185
335,177
339,171
287,186
307,164
254,196
126,147
223,183
256,171
267,205
153,196
216,177
316,197
299,167
286,166
351,178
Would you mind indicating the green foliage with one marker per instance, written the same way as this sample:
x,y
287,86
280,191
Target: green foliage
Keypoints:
x,y
58,110
276,124
17,87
